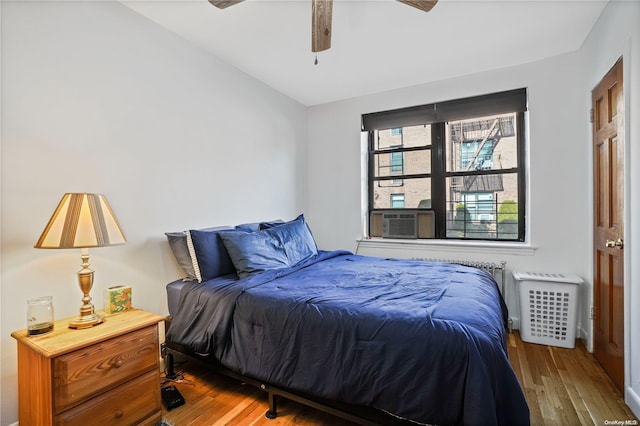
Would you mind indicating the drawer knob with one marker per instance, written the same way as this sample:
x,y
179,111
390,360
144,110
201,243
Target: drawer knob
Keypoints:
x,y
118,363
119,414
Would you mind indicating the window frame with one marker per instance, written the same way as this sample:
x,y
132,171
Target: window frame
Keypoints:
x,y
461,109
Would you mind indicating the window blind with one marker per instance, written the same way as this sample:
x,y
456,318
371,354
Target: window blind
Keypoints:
x,y
459,109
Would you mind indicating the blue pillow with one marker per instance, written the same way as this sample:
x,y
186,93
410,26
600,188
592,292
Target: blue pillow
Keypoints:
x,y
267,225
208,253
256,226
249,227
279,222
178,244
278,247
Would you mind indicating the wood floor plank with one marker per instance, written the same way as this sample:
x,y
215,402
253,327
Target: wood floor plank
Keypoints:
x,y
562,386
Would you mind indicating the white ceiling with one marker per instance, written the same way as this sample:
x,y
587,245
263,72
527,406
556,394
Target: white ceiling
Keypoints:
x,y
377,45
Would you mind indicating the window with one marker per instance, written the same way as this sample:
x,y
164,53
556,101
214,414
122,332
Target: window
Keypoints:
x,y
463,159
476,155
397,201
397,163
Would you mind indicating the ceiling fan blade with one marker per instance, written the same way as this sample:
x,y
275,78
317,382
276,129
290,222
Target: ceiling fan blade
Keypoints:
x,y
425,5
321,14
222,4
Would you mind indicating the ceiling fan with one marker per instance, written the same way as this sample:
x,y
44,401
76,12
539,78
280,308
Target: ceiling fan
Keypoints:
x,y
321,13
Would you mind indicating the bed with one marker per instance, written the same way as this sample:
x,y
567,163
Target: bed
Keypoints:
x,y
420,342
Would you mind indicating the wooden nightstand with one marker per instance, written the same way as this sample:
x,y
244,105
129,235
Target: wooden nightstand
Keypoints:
x,y
105,375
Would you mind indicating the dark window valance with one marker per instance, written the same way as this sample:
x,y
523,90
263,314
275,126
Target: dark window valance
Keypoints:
x,y
403,117
459,109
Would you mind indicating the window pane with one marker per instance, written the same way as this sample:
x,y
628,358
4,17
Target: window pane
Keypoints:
x,y
484,143
397,201
411,193
402,163
406,137
483,206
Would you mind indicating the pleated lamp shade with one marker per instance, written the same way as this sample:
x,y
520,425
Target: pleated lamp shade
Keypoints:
x,y
81,220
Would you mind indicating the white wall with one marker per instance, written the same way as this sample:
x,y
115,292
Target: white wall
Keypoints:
x,y
96,98
559,217
615,35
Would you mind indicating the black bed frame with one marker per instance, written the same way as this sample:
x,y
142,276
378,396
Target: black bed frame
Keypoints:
x,y
357,414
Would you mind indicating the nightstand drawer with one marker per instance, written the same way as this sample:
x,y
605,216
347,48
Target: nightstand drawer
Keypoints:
x,y
127,404
89,371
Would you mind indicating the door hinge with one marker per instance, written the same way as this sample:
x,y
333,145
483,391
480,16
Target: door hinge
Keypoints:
x,y
591,115
592,314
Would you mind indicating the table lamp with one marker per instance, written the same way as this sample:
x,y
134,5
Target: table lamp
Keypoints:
x,y
82,221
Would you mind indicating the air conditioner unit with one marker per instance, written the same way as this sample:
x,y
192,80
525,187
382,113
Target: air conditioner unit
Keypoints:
x,y
425,222
399,224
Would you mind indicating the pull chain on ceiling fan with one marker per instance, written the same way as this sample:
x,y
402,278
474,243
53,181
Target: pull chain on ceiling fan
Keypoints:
x,y
321,14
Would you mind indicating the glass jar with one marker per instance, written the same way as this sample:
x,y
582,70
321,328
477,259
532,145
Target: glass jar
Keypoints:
x,y
39,315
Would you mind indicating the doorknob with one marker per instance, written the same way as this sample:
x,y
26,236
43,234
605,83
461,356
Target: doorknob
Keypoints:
x,y
615,243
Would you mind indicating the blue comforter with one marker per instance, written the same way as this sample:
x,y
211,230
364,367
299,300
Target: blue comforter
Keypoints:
x,y
421,340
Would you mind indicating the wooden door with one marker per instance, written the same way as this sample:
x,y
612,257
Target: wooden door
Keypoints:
x,y
608,172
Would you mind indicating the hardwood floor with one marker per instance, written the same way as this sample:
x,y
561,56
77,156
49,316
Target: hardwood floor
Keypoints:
x,y
562,386
566,386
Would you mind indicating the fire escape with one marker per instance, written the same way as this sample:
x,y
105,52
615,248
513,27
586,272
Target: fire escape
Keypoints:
x,y
488,133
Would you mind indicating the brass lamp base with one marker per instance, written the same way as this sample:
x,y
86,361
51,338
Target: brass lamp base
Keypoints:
x,y
88,316
86,321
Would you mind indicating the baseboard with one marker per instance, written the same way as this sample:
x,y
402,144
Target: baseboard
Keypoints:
x,y
582,334
633,401
586,338
515,323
